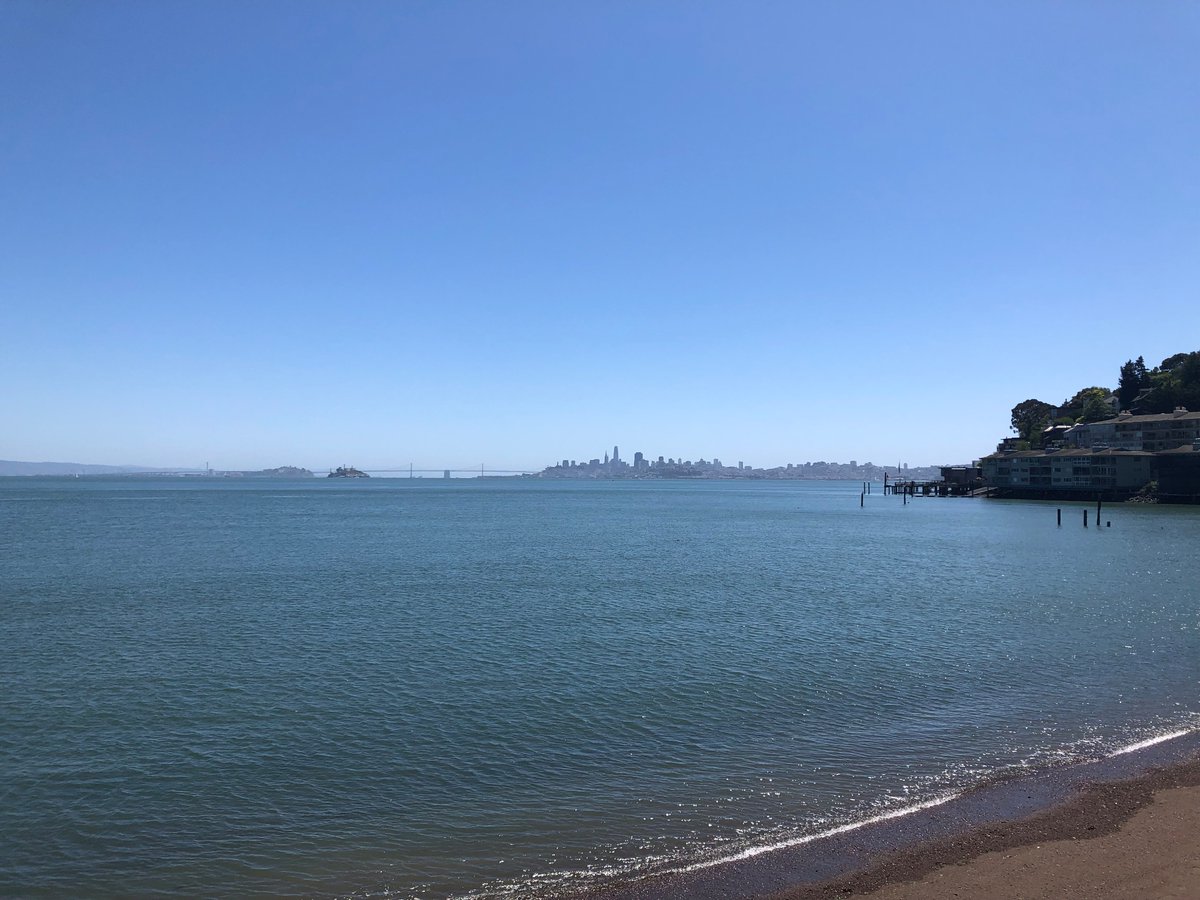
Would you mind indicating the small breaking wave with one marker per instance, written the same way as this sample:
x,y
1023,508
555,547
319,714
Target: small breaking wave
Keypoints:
x,y
751,852
1150,742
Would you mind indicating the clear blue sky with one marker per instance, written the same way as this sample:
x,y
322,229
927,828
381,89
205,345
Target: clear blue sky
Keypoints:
x,y
310,233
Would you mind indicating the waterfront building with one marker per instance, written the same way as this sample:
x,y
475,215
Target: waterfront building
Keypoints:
x,y
1179,473
1069,470
964,478
1153,433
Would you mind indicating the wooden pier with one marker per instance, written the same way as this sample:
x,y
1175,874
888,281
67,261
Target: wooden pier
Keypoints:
x,y
932,489
956,481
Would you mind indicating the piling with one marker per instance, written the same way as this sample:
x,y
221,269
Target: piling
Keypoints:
x,y
1085,518
1060,518
861,499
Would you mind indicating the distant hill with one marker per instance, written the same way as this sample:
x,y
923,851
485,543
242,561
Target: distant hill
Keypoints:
x,y
14,467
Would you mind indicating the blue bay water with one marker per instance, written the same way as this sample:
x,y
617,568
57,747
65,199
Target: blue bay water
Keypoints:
x,y
515,687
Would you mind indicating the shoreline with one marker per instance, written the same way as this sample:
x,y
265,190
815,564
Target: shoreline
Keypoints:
x,y
909,855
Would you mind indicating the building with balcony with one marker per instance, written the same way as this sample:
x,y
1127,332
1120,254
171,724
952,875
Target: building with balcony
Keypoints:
x,y
1153,433
1068,471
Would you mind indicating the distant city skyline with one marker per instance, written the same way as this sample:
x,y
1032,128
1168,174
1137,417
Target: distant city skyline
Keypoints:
x,y
640,462
308,233
644,466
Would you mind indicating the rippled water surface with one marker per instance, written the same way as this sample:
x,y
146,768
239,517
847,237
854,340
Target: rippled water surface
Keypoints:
x,y
509,686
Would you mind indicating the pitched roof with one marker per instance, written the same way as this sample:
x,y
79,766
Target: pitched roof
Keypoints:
x,y
1152,417
1065,452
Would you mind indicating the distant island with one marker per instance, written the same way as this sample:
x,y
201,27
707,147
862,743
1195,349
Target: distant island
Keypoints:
x,y
347,472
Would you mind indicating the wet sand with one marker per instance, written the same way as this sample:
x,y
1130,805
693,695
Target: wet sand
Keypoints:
x,y
1121,827
1131,839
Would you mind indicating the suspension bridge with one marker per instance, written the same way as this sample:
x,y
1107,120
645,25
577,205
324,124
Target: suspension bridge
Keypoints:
x,y
481,470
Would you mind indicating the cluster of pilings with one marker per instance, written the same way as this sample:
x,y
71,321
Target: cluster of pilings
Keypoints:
x,y
1099,506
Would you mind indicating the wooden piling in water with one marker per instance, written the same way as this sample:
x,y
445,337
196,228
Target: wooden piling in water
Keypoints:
x,y
1085,518
1060,518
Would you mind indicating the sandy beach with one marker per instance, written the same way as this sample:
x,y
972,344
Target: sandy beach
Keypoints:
x,y
1125,826
1138,838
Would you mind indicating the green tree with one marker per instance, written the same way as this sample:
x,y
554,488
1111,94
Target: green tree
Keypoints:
x,y
1188,371
1095,408
1072,409
1139,371
1132,379
1169,364
1175,383
1029,417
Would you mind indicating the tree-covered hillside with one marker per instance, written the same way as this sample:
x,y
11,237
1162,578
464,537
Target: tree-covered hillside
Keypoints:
x,y
1174,382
